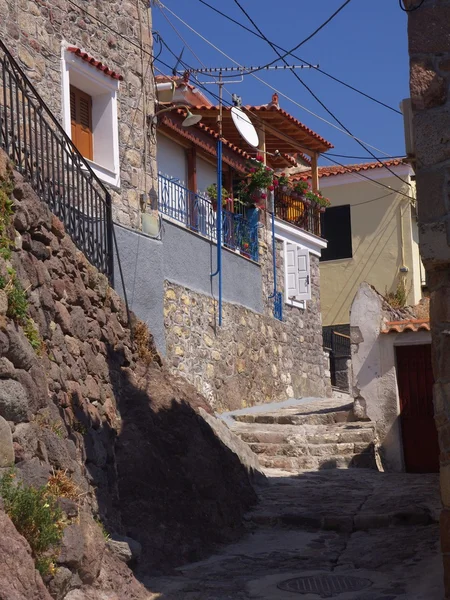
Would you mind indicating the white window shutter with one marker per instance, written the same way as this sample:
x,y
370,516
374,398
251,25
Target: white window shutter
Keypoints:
x,y
291,271
303,275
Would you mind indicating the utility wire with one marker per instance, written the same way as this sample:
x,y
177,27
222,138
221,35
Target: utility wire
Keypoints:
x,y
216,10
274,89
214,95
312,93
272,128
362,157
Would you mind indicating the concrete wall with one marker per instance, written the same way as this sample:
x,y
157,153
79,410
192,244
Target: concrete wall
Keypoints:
x,y
377,229
374,371
141,258
189,259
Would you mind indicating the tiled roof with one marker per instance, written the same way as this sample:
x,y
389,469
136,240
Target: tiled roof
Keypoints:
x,y
342,170
95,63
406,325
268,108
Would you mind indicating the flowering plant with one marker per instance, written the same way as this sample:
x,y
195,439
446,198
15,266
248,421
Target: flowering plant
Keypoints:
x,y
318,199
260,179
283,180
211,190
301,187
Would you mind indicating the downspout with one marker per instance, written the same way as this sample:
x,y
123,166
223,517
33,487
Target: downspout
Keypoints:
x,y
218,271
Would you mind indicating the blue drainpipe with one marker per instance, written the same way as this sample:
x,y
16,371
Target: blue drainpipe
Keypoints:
x,y
219,225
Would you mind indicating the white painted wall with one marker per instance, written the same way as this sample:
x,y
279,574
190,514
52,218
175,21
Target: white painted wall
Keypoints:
x,y
171,158
374,371
206,174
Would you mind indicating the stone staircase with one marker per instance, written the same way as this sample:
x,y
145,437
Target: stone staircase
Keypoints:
x,y
321,434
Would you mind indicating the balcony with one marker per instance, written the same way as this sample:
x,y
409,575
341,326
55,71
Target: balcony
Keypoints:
x,y
197,214
297,211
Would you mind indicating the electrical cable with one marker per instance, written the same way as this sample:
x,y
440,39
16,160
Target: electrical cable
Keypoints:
x,y
412,9
368,96
362,157
311,92
274,89
270,127
211,93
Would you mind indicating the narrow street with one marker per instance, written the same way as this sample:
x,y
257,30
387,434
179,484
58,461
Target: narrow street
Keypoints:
x,y
352,534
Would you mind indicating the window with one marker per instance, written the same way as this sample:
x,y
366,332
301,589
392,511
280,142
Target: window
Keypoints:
x,y
89,97
297,275
337,230
81,121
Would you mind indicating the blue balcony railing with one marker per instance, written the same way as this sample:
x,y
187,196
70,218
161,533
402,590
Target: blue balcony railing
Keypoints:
x,y
196,212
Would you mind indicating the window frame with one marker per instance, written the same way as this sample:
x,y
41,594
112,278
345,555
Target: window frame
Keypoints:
x,y
103,91
324,233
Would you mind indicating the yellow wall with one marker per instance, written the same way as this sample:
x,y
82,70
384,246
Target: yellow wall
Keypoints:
x,y
376,240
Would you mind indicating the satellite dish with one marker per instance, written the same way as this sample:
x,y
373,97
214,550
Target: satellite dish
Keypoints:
x,y
244,126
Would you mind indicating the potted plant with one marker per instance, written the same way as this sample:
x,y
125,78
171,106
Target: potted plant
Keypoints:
x,y
283,182
300,187
211,191
259,181
317,199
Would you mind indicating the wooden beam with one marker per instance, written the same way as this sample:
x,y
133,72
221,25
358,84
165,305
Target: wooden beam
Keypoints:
x,y
314,173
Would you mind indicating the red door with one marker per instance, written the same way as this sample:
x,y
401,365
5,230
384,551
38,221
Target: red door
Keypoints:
x,y
415,386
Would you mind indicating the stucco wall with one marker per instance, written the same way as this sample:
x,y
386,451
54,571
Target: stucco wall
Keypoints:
x,y
141,258
206,174
171,158
377,256
374,371
189,259
34,31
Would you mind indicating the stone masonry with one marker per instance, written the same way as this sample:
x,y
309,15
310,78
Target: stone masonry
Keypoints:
x,y
253,358
429,48
33,31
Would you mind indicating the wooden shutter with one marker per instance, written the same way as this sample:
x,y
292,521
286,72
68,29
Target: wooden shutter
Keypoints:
x,y
291,271
303,274
81,121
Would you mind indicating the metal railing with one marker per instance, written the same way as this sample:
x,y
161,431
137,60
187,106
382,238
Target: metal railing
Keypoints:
x,y
44,154
198,214
297,211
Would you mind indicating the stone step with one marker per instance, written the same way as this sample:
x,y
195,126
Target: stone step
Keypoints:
x,y
322,450
295,464
357,432
294,418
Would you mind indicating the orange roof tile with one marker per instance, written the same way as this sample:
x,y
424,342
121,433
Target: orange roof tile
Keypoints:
x,y
342,170
406,325
95,63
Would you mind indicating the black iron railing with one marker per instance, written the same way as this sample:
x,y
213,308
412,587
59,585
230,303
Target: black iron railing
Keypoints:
x,y
297,211
45,155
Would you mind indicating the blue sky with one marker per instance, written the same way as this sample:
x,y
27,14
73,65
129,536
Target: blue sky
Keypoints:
x,y
365,46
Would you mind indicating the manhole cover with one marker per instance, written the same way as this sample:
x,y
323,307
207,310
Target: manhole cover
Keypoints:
x,y
326,586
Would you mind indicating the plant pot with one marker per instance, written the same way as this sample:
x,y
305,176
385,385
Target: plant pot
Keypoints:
x,y
322,209
284,188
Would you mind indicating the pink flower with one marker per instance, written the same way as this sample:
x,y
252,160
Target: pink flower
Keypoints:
x,y
268,169
276,182
260,158
271,188
253,170
263,196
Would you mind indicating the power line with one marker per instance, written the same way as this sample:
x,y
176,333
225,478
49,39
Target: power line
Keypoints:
x,y
274,89
214,95
271,127
310,91
254,33
361,157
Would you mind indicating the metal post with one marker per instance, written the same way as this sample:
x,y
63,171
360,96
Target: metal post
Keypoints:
x,y
109,235
219,200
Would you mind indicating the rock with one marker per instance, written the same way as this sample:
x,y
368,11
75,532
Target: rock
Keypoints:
x,y
20,353
6,368
69,507
246,456
6,444
60,584
3,303
14,405
35,387
72,547
94,548
33,473
19,453
79,323
19,579
40,250
58,455
4,343
62,317
124,548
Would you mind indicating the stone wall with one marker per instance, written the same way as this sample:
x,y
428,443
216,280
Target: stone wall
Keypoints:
x,y
429,48
110,32
253,358
82,396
